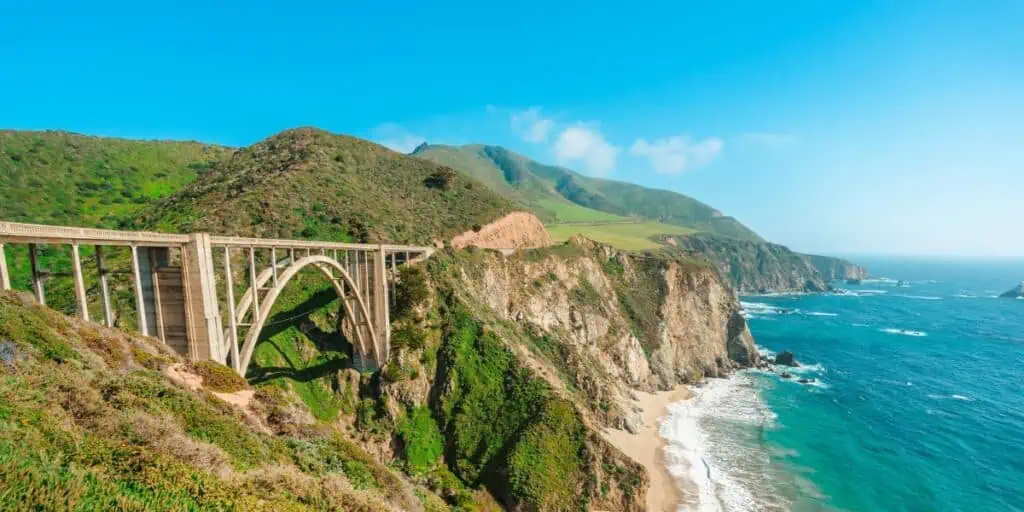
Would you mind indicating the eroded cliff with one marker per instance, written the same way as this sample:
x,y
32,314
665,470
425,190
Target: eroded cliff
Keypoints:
x,y
759,267
524,359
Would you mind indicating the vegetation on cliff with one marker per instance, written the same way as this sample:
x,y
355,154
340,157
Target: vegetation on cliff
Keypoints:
x,y
86,424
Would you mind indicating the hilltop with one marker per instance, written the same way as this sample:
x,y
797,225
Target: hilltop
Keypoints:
x,y
54,177
308,183
561,196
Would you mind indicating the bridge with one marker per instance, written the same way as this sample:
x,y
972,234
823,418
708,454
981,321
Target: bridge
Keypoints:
x,y
184,284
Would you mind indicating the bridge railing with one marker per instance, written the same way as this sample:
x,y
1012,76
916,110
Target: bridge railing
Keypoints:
x,y
181,304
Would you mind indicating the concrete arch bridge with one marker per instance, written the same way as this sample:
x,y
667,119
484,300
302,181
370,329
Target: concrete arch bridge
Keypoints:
x,y
185,291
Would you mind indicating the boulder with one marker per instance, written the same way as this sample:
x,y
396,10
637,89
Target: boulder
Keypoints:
x,y
787,375
786,358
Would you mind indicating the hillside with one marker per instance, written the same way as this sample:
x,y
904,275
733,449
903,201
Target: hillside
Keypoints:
x,y
759,267
94,419
57,177
559,195
308,183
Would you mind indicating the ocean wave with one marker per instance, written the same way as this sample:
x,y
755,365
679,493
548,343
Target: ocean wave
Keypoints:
x,y
905,332
861,325
920,297
760,309
962,398
729,474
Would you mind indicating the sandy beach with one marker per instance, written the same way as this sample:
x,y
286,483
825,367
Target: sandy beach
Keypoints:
x,y
647,448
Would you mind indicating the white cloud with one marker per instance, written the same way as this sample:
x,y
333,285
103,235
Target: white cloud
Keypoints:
x,y
588,146
531,126
676,154
397,137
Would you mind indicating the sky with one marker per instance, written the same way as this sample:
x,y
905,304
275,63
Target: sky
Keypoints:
x,y
890,127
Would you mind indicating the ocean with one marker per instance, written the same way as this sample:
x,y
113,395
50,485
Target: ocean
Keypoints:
x,y
916,404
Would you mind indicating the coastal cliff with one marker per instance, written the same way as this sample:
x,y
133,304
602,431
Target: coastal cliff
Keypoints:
x,y
762,267
525,359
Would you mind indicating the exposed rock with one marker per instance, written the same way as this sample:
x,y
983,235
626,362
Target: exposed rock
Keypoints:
x,y
787,375
805,380
740,342
786,358
633,423
1015,293
757,267
516,230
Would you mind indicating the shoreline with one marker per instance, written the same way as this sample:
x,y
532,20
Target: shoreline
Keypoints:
x,y
648,447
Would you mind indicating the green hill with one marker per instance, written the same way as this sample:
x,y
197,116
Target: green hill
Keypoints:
x,y
558,195
308,183
57,177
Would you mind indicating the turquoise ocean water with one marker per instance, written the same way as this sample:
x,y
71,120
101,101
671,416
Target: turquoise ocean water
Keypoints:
x,y
917,404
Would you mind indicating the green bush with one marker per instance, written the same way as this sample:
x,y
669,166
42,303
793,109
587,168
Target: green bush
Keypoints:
x,y
421,440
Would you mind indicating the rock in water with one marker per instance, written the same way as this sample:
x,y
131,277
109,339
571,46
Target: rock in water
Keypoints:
x,y
786,358
1015,293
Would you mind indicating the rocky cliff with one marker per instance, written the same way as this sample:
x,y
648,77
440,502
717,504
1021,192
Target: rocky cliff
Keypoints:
x,y
836,268
1015,293
759,267
524,358
538,351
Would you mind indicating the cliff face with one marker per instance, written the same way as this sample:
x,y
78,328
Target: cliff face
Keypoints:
x,y
649,322
538,351
759,267
837,268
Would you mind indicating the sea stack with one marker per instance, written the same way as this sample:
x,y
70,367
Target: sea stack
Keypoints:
x,y
1016,293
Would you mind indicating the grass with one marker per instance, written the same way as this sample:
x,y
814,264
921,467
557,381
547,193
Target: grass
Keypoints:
x,y
78,434
627,236
308,183
504,428
63,178
567,211
559,195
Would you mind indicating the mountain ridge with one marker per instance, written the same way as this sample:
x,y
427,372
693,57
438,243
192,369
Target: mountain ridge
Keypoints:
x,y
547,189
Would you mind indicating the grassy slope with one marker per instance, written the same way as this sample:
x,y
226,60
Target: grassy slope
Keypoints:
x,y
86,424
628,235
558,195
63,178
308,183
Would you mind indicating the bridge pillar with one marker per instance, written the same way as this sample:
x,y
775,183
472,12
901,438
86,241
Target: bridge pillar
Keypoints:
x,y
202,313
381,305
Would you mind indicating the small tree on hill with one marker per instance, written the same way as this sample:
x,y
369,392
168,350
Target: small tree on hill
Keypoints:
x,y
443,178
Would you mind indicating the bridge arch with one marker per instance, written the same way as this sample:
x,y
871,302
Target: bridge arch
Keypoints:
x,y
325,265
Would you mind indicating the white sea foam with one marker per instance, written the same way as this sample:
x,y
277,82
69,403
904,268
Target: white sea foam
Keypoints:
x,y
952,397
905,332
818,313
920,297
860,325
709,444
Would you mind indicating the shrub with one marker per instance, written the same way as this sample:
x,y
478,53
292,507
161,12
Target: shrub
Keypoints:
x,y
219,378
443,178
411,290
421,440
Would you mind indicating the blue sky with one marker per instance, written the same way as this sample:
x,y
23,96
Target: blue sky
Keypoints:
x,y
831,126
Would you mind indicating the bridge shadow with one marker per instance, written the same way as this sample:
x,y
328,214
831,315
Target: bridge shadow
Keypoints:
x,y
335,350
